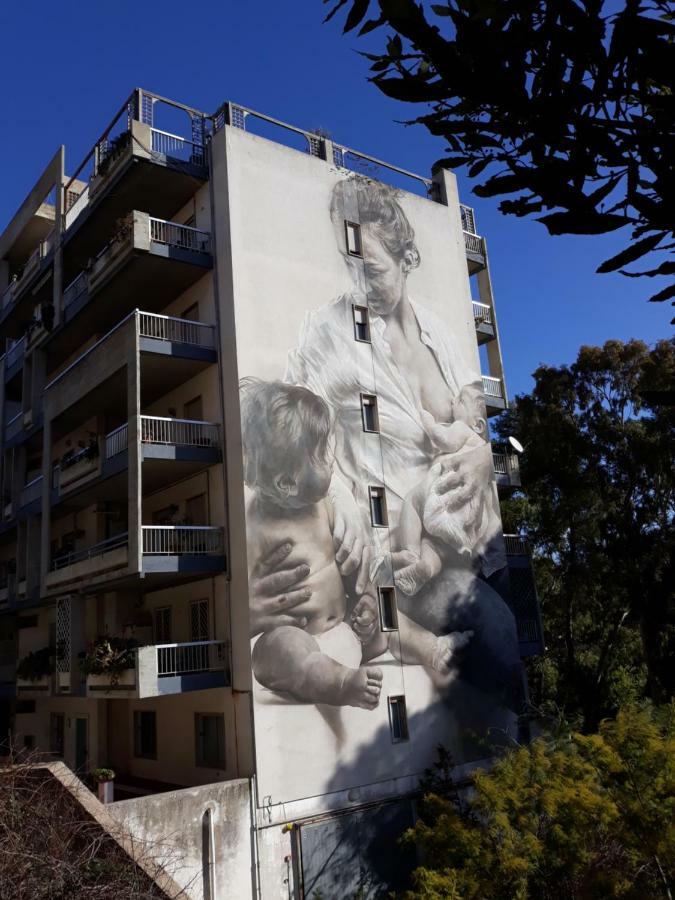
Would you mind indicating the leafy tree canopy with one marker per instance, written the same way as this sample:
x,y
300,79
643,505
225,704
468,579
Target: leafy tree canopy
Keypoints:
x,y
566,104
566,818
598,511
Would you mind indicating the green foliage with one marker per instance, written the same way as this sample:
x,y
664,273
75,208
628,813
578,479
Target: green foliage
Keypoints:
x,y
566,104
569,816
109,656
102,774
599,514
36,665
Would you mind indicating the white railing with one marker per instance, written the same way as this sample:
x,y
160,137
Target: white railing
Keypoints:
x,y
31,491
182,540
75,289
183,236
178,331
176,147
14,426
468,218
492,387
473,243
516,545
482,313
116,441
506,464
187,432
63,558
196,656
15,353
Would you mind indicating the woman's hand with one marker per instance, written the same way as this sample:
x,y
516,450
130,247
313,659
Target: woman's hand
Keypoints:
x,y
463,480
274,596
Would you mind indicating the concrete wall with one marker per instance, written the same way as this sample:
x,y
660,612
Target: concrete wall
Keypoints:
x,y
175,821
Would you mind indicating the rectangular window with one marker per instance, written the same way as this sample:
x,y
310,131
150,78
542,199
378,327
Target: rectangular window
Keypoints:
x,y
145,734
361,323
398,719
369,415
56,731
163,625
388,617
378,506
353,236
210,741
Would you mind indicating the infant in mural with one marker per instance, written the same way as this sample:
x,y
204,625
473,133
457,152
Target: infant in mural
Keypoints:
x,y
428,520
288,465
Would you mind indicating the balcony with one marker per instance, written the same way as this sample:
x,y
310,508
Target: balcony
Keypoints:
x,y
182,548
30,497
17,301
14,358
507,469
474,244
523,595
21,426
495,396
163,669
484,322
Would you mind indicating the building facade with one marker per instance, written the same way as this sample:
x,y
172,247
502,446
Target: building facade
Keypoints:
x,y
251,554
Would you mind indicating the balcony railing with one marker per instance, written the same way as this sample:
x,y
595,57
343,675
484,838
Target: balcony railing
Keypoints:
x,y
68,558
178,331
482,313
506,464
196,656
75,289
14,426
493,387
468,218
31,491
185,432
15,352
183,236
116,441
474,243
182,540
177,147
516,545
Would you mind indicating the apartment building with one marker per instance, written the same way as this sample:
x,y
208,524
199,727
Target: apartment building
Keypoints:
x,y
239,353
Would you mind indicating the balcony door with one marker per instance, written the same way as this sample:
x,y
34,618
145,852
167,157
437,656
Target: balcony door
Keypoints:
x,y
199,631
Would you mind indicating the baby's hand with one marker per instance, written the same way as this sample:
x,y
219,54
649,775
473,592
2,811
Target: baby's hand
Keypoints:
x,y
364,618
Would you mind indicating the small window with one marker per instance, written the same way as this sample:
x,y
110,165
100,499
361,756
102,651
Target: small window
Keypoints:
x,y
369,414
353,236
210,741
56,731
388,617
145,734
398,719
163,625
378,506
361,323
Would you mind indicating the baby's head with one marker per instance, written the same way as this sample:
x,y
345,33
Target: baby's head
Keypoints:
x,y
469,407
286,431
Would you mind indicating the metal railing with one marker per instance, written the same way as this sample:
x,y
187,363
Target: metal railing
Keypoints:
x,y
482,313
14,426
474,243
177,147
15,353
178,331
67,558
183,236
516,545
187,432
75,289
195,656
116,441
468,219
182,540
31,491
492,387
506,464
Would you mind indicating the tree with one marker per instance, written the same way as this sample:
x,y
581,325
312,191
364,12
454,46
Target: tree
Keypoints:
x,y
569,816
598,511
568,104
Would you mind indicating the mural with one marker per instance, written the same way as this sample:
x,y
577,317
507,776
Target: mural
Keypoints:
x,y
337,511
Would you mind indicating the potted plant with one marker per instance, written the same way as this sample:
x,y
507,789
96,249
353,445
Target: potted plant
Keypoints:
x,y
36,665
110,662
103,779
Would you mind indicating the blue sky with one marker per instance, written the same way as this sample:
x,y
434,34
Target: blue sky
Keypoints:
x,y
66,68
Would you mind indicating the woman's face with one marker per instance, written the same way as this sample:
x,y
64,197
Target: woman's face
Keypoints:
x,y
385,275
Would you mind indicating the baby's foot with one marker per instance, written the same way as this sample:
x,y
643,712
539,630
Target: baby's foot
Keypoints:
x,y
446,647
362,687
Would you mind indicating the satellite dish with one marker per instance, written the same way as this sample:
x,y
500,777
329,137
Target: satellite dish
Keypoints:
x,y
517,446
